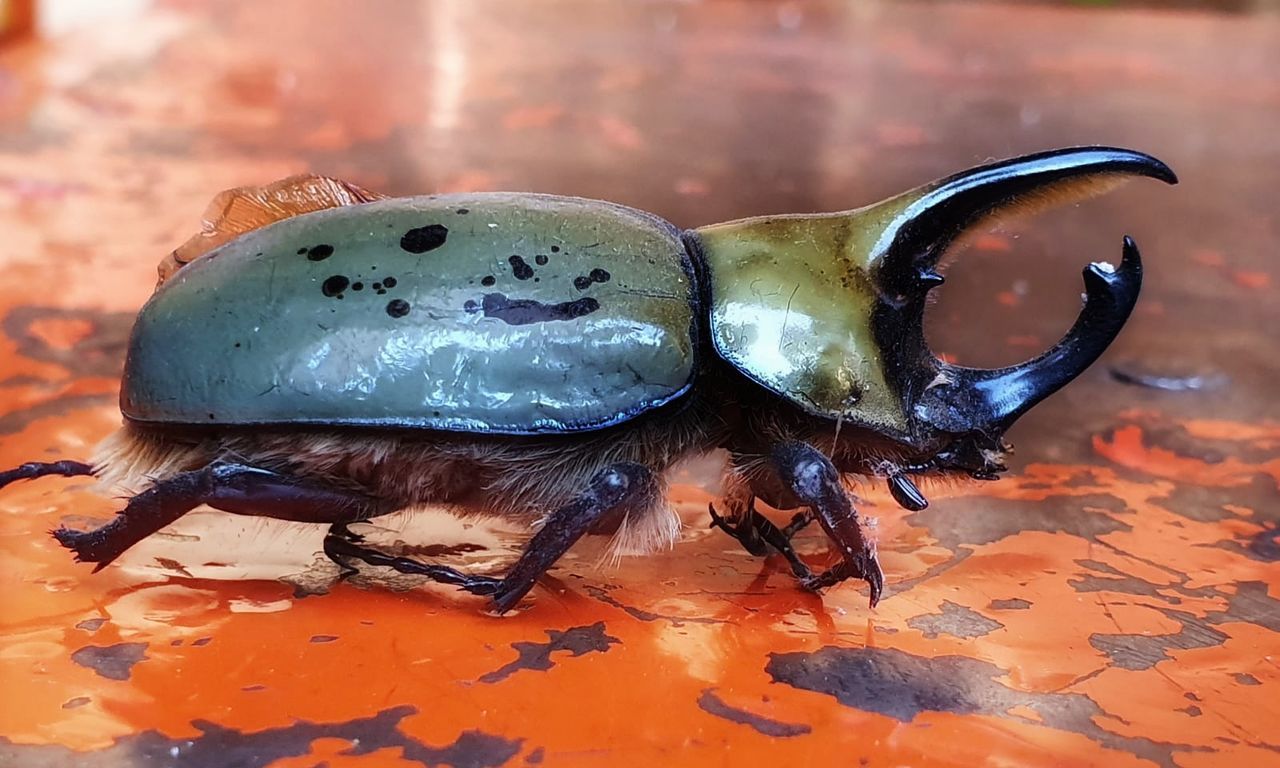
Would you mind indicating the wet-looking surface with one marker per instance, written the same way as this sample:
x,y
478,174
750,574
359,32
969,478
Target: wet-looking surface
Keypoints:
x,y
1116,599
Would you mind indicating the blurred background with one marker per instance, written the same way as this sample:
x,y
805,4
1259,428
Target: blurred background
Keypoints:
x,y
126,117
1114,599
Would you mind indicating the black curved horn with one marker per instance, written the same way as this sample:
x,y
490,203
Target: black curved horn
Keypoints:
x,y
915,239
964,399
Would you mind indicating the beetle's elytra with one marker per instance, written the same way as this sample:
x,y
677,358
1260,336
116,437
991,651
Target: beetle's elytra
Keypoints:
x,y
323,355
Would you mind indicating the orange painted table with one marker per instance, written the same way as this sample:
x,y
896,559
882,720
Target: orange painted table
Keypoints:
x,y
1115,601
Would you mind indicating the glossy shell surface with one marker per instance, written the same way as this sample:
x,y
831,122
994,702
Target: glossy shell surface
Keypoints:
x,y
796,318
488,312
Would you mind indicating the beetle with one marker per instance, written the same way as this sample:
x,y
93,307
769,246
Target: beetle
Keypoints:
x,y
325,355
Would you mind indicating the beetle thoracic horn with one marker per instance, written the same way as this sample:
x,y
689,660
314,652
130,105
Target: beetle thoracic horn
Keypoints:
x,y
910,246
964,399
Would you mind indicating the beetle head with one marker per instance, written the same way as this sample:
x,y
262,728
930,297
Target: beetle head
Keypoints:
x,y
828,310
972,406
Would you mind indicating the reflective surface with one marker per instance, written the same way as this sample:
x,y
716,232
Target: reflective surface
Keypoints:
x,y
1114,600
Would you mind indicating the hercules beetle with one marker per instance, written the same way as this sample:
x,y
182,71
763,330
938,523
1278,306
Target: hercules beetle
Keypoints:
x,y
339,356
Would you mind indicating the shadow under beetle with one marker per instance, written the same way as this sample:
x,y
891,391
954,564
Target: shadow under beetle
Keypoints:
x,y
322,354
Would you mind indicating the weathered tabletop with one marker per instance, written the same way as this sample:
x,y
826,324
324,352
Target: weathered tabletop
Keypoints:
x,y
1115,600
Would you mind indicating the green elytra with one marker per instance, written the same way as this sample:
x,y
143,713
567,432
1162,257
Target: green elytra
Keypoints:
x,y
508,313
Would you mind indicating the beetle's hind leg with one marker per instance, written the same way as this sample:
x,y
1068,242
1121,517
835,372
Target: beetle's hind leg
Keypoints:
x,y
34,469
230,487
619,488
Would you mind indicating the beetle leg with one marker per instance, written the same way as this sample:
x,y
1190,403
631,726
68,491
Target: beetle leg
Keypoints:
x,y
34,469
798,523
780,540
620,487
617,488
815,482
340,544
746,532
230,487
756,531
337,533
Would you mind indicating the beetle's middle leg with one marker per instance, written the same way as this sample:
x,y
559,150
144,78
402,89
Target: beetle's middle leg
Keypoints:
x,y
223,485
754,531
620,488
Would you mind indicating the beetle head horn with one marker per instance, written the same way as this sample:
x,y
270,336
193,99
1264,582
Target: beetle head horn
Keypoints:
x,y
957,399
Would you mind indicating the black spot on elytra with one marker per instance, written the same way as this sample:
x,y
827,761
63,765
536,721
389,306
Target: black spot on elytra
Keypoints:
x,y
583,282
318,252
357,286
397,307
335,285
488,280
528,311
555,249
541,259
520,268
388,282
424,239
377,286
464,211
575,641
302,250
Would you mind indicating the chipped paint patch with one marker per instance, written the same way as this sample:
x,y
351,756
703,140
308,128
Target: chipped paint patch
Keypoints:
x,y
575,641
112,661
955,620
902,686
712,704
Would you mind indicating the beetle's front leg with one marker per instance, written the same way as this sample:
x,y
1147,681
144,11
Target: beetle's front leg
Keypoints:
x,y
815,482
